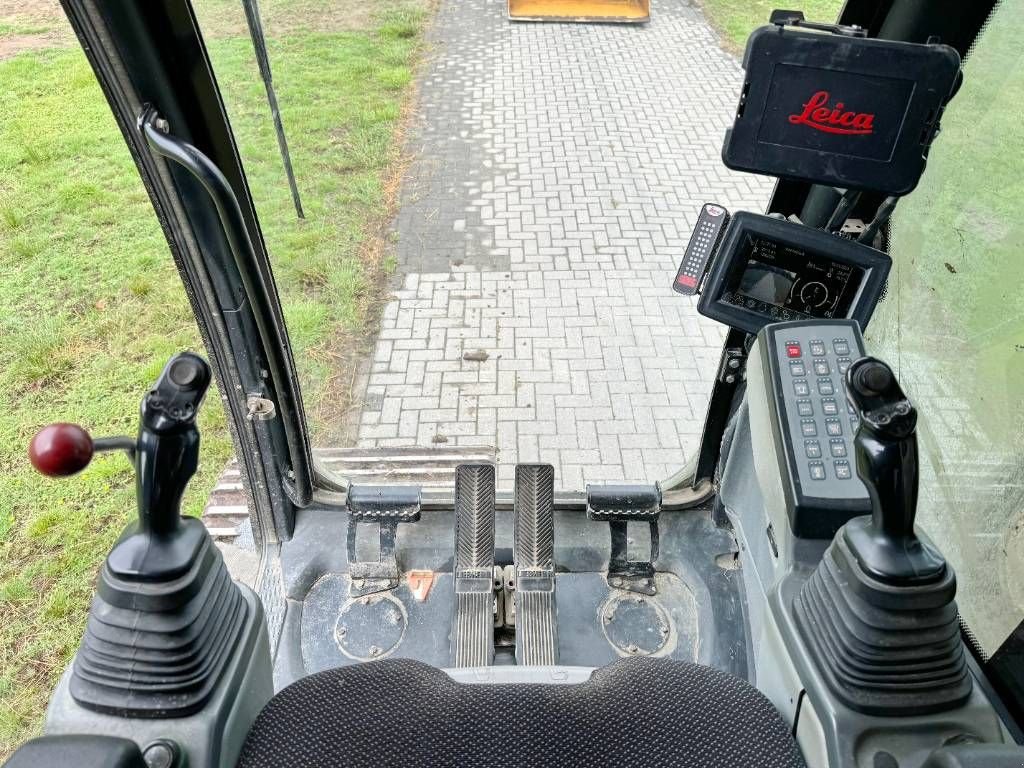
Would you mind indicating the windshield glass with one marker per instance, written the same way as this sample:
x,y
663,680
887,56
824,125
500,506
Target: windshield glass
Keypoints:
x,y
495,212
953,324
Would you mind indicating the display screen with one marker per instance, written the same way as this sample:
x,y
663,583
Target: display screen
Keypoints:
x,y
787,283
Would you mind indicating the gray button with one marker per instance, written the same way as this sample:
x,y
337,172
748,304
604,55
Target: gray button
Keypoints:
x,y
843,470
843,364
817,470
800,388
808,428
834,427
825,387
821,368
830,407
837,447
817,347
804,408
797,369
841,347
812,448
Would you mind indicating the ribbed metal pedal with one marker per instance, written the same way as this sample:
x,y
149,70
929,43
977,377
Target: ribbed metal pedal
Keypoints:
x,y
534,556
473,634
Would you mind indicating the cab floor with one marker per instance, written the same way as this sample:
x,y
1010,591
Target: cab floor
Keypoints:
x,y
697,613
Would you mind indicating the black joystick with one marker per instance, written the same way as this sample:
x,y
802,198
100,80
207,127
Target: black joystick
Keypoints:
x,y
161,545
886,545
166,614
878,614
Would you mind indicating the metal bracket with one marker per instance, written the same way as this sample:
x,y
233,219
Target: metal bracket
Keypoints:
x,y
260,408
796,19
731,368
619,505
387,506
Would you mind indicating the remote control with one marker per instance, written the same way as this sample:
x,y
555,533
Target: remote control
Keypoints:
x,y
706,234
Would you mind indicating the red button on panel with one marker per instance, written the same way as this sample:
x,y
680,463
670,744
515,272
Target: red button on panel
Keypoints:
x,y
793,350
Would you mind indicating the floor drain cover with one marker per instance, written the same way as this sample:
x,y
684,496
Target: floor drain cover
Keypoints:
x,y
636,625
370,627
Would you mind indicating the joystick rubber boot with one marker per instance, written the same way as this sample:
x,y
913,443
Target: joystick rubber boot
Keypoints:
x,y
167,614
878,615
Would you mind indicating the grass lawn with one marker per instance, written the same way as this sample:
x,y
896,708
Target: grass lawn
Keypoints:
x,y
736,19
93,306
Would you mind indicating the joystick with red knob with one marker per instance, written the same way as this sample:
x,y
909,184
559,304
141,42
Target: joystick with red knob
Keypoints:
x,y
167,617
165,454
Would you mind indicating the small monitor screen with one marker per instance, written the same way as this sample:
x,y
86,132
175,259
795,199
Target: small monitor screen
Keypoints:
x,y
787,283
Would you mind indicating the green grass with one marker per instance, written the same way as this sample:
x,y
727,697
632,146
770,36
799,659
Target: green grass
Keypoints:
x,y
736,19
93,305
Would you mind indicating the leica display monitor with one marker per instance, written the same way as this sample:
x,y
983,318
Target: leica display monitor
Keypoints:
x,y
770,270
850,112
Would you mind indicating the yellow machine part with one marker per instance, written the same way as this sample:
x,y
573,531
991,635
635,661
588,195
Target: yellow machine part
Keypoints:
x,y
630,11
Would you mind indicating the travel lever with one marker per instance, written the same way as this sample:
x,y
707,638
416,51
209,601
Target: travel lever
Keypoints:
x,y
165,454
166,608
887,462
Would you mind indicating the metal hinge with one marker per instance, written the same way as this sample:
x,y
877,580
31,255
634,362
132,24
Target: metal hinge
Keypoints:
x,y
504,597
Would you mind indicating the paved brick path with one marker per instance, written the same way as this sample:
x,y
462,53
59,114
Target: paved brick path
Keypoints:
x,y
560,169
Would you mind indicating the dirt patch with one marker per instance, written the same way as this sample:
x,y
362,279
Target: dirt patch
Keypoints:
x,y
32,13
12,45
32,25
284,17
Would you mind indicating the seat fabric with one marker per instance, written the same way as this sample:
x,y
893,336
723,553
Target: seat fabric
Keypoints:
x,y
637,712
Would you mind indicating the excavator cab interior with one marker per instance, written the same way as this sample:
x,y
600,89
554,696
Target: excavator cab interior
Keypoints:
x,y
777,602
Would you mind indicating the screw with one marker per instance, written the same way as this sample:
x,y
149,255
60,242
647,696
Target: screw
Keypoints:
x,y
609,616
616,582
664,631
342,631
162,125
632,649
365,601
160,754
374,650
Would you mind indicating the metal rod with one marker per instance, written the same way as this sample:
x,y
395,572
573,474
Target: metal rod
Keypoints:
x,y
126,444
257,292
881,216
842,211
259,44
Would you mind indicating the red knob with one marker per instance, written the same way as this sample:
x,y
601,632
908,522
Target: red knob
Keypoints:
x,y
60,450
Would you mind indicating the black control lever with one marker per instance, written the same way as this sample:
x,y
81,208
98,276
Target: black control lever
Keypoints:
x,y
167,448
886,450
165,454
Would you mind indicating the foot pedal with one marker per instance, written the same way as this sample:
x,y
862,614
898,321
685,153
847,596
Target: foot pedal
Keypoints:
x,y
473,634
387,506
534,556
619,505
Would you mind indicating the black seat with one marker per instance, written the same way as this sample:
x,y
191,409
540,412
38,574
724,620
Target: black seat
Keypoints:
x,y
637,712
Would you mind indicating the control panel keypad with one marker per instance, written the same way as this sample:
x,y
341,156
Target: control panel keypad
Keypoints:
x,y
813,361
